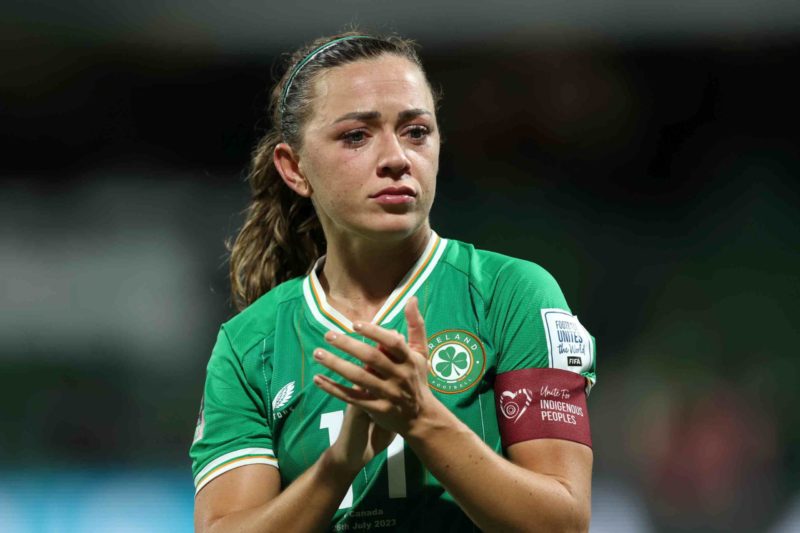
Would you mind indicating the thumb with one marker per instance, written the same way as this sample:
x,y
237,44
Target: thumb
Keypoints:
x,y
417,338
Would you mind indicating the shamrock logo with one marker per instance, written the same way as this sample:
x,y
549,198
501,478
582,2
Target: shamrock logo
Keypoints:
x,y
457,361
452,363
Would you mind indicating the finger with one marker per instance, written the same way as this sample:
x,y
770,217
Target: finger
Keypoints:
x,y
358,398
417,338
391,342
371,356
351,393
349,371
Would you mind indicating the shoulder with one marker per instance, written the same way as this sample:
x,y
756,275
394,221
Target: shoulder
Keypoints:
x,y
258,320
492,273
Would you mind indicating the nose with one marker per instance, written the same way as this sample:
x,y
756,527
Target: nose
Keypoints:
x,y
393,162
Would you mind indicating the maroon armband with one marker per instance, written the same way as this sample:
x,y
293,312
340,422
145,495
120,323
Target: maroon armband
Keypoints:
x,y
541,403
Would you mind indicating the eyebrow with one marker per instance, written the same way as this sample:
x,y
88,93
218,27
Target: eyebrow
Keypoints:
x,y
367,116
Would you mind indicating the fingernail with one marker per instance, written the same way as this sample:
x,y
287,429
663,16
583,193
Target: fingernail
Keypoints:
x,y
319,355
357,326
331,336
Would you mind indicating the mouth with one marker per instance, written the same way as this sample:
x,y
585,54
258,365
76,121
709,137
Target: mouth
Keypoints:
x,y
395,195
395,191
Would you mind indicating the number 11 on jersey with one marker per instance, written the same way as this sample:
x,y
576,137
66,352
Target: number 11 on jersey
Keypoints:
x,y
395,462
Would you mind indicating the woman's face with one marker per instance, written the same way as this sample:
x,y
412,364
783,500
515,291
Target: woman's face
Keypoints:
x,y
370,149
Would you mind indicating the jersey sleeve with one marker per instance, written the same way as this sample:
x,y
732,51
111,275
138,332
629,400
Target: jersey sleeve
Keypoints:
x,y
232,429
546,358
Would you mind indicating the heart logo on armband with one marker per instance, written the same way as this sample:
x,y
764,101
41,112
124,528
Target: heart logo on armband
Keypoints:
x,y
514,404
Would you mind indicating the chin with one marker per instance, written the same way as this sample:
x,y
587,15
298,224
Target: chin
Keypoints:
x,y
395,227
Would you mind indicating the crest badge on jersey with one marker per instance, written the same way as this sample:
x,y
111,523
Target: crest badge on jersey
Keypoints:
x,y
456,361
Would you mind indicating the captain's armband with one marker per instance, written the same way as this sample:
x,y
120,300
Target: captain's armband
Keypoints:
x,y
541,403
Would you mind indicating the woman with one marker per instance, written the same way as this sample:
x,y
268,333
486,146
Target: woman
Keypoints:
x,y
401,381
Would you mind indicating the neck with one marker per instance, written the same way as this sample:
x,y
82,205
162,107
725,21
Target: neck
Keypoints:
x,y
359,274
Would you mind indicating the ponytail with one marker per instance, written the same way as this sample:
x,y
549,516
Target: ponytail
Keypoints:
x,y
281,237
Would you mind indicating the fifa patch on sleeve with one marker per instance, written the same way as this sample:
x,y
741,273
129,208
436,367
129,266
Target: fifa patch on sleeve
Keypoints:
x,y
569,345
541,403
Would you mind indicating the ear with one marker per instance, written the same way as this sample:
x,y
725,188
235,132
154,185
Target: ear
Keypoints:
x,y
287,163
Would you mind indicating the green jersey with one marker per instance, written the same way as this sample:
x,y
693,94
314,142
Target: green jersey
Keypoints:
x,y
486,314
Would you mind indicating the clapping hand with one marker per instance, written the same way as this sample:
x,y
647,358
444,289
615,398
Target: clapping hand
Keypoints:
x,y
392,385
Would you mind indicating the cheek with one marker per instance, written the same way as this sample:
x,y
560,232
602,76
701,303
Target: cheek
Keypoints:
x,y
427,162
330,174
338,183
347,177
352,164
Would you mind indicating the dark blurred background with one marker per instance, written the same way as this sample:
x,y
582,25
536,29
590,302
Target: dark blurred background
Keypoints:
x,y
646,154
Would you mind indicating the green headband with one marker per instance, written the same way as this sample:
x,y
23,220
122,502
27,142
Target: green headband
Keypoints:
x,y
307,59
